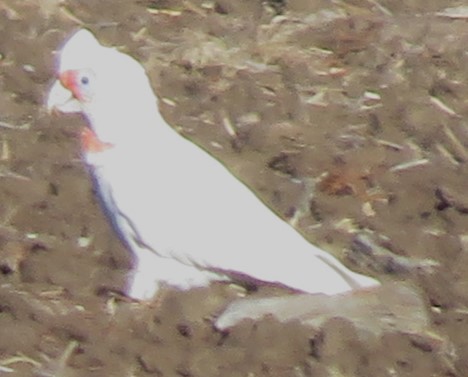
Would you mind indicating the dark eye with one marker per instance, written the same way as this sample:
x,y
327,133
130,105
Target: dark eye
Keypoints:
x,y
84,80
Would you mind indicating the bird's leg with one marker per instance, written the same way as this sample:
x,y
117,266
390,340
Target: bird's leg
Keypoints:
x,y
145,284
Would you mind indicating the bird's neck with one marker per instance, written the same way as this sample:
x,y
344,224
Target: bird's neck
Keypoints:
x,y
138,138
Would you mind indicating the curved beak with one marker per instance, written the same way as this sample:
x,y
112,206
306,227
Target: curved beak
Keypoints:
x,y
62,100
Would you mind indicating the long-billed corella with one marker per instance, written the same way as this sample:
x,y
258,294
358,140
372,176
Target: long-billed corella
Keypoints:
x,y
186,219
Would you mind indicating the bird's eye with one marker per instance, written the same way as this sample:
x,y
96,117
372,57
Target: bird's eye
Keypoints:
x,y
84,80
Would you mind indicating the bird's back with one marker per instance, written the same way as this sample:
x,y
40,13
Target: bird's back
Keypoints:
x,y
185,205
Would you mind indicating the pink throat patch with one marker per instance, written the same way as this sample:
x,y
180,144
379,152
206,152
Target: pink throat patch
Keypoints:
x,y
91,143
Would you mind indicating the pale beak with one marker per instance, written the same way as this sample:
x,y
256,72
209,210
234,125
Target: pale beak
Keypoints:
x,y
62,100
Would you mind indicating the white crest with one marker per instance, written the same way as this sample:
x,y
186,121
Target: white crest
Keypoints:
x,y
79,51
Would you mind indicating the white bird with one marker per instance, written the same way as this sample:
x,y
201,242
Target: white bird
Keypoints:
x,y
185,217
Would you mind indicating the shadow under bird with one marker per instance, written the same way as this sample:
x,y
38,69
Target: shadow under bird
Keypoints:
x,y
186,219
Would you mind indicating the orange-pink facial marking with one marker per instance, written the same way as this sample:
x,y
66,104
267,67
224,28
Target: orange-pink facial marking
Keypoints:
x,y
71,80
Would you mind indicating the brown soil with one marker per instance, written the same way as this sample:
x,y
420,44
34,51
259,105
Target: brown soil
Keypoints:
x,y
366,98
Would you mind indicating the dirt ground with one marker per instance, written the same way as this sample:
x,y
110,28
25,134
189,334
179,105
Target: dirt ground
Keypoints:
x,y
365,98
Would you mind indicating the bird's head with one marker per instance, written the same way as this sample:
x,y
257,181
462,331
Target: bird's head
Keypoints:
x,y
109,88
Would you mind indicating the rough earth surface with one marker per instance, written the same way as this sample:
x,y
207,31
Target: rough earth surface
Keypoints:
x,y
348,118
